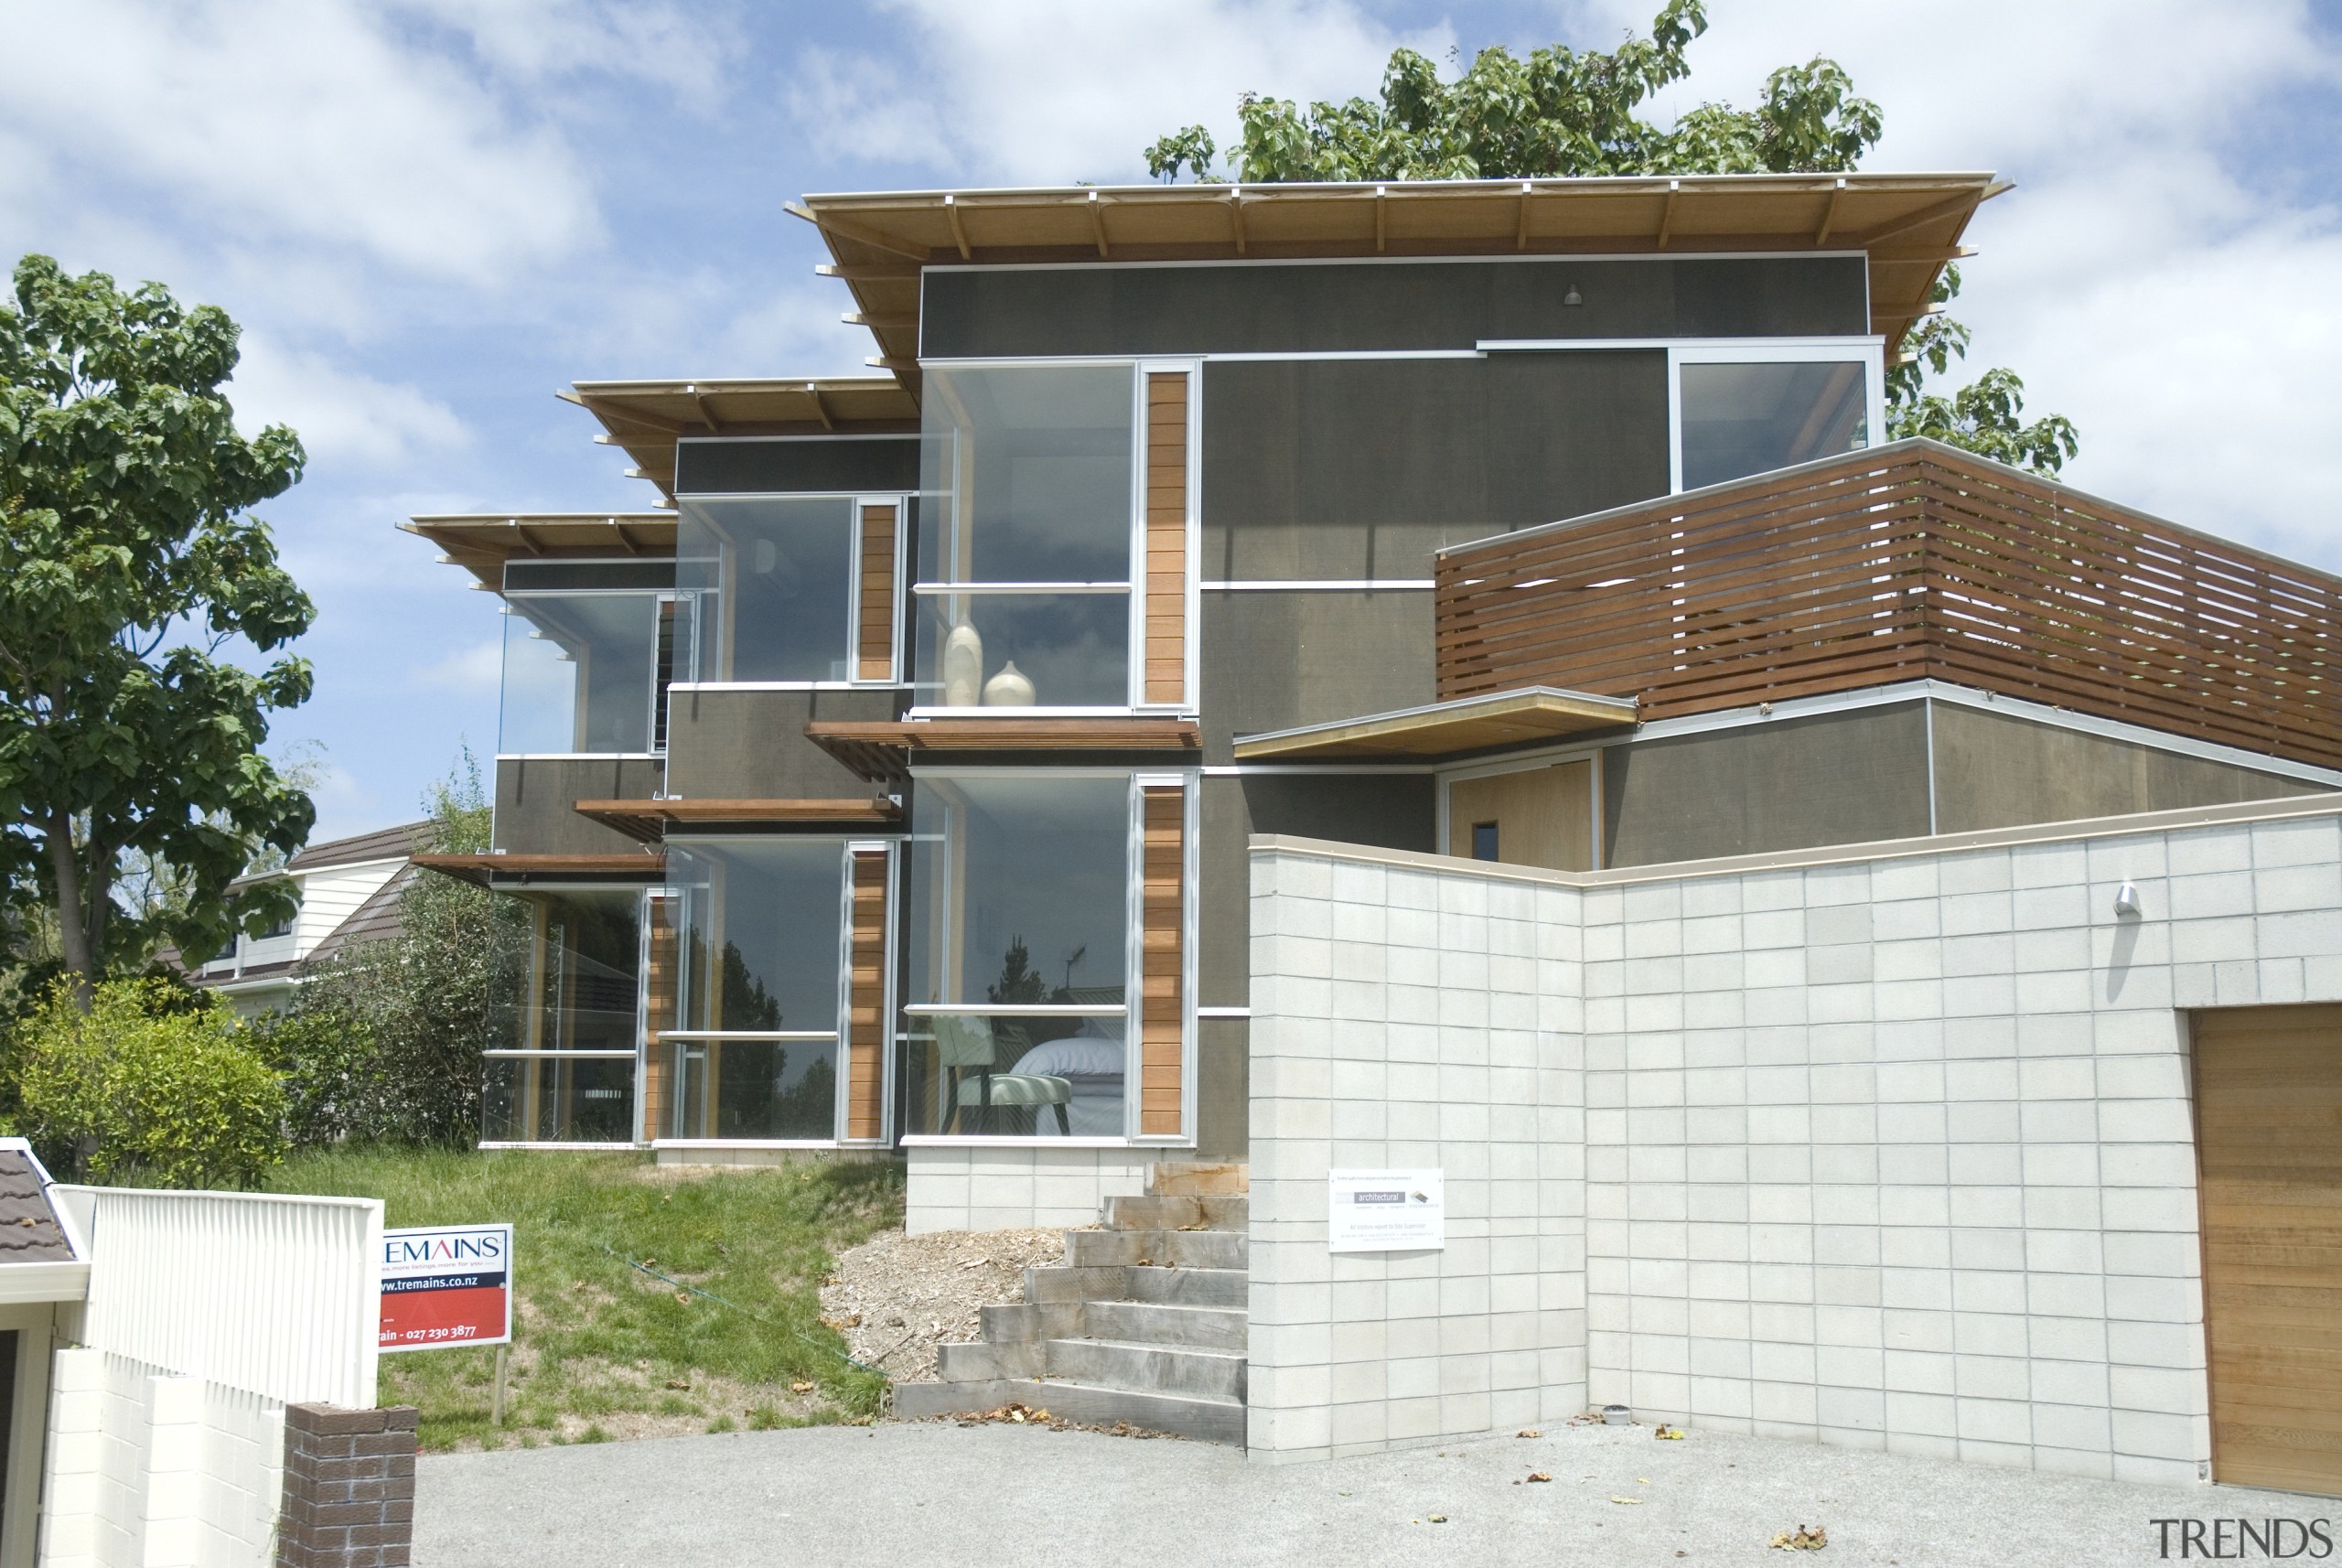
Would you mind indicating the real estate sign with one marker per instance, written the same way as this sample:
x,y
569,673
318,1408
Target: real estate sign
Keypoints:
x,y
447,1285
1386,1211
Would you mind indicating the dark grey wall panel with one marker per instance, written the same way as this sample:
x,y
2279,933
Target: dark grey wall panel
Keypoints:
x,y
743,464
1361,468
1350,305
1276,659
1392,810
1834,779
751,746
536,801
1997,770
1223,1088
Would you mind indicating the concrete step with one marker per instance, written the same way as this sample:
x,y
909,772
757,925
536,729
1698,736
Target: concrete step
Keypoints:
x,y
1188,1287
1178,1213
1059,1284
1160,1248
1147,1369
1166,1178
981,1360
1206,1420
1157,1323
1031,1320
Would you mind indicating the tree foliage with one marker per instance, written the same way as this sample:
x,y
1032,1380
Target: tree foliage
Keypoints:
x,y
382,1042
128,564
1562,113
149,1084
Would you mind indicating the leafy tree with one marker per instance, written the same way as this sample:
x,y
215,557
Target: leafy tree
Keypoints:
x,y
136,1082
127,564
1561,113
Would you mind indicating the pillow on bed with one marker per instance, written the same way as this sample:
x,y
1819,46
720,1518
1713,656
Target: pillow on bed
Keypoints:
x,y
1073,1057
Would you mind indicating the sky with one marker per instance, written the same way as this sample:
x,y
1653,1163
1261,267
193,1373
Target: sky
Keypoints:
x,y
427,215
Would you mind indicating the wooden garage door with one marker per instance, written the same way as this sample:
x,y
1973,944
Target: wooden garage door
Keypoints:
x,y
2269,1147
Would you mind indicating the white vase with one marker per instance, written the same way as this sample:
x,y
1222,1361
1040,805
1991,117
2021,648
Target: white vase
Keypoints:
x,y
963,666
1009,689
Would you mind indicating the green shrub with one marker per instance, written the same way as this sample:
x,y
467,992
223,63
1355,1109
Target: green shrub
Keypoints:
x,y
143,1088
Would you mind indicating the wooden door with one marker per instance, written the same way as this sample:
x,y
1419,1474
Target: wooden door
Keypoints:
x,y
2269,1153
1537,816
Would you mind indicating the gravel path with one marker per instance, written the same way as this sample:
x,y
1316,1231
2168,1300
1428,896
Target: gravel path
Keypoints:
x,y
937,1493
896,1297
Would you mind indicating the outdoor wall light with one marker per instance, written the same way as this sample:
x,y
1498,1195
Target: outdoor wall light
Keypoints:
x,y
1572,297
2126,901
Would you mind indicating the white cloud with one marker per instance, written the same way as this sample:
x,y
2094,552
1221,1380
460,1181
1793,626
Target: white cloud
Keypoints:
x,y
1018,91
473,669
344,417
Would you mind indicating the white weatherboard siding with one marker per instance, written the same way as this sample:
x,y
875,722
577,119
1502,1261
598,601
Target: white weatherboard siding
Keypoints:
x,y
331,895
1891,1150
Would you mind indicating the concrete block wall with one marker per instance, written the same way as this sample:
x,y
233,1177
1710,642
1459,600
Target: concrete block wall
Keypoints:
x,y
965,1186
1414,1020
147,1467
1890,1151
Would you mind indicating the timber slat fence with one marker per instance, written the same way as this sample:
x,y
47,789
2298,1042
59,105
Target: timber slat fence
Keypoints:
x,y
1901,562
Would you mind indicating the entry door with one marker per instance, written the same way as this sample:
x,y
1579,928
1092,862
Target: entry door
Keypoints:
x,y
1534,816
2269,1151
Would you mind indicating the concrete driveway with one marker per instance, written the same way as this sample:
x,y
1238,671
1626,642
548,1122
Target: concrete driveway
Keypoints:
x,y
926,1493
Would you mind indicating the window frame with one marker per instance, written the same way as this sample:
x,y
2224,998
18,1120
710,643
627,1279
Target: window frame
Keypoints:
x,y
644,893
1869,351
657,694
856,501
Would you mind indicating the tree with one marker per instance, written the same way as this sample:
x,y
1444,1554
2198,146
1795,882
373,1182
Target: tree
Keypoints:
x,y
1561,113
128,564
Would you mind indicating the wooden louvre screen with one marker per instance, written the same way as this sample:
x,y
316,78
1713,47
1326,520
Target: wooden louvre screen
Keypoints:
x,y
658,1007
1904,561
1162,1032
866,1001
874,655
1166,536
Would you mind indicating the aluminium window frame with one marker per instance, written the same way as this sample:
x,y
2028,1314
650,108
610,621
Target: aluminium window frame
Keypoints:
x,y
657,694
1869,351
646,894
856,501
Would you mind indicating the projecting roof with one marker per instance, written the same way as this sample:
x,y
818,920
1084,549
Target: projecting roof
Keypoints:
x,y
481,542
645,417
1448,729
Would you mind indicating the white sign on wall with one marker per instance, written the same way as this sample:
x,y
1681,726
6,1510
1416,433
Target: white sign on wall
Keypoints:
x,y
1386,1211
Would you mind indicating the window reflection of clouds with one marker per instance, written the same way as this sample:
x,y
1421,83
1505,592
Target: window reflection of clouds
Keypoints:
x,y
772,581
1742,419
1035,465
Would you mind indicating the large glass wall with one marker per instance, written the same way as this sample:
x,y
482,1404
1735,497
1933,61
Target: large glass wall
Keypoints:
x,y
1025,545
562,1070
1017,1022
754,1046
1743,419
588,651
767,581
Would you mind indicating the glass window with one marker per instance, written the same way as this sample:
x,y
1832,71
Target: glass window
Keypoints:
x,y
1743,419
582,672
772,582
554,1100
562,1068
1020,910
754,1045
1027,474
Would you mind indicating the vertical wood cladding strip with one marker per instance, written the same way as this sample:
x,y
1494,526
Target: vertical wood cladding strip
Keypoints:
x,y
874,658
866,1002
658,1008
1162,1004
1166,537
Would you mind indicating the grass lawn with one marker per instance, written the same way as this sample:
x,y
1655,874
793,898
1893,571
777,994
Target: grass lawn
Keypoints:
x,y
602,1348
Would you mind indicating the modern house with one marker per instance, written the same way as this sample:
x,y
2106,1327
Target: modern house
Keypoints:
x,y
1281,675
349,893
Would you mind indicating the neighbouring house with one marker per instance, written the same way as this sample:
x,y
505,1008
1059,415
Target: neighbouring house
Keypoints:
x,y
348,890
1451,676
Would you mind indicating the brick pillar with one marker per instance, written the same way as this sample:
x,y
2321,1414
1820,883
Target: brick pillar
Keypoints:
x,y
348,1487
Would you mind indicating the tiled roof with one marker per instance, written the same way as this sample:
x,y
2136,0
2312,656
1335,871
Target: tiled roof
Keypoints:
x,y
28,1229
384,843
377,919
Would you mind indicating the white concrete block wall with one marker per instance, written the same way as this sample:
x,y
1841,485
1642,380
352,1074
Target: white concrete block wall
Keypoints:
x,y
961,1187
1893,1153
1406,1019
147,1469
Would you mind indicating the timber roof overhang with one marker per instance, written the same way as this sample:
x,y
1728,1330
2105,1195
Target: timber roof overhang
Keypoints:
x,y
498,870
648,821
481,542
1525,717
647,418
883,751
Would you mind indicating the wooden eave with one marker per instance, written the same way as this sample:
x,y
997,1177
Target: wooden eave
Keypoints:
x,y
1909,225
481,542
490,870
646,418
881,749
1448,729
647,821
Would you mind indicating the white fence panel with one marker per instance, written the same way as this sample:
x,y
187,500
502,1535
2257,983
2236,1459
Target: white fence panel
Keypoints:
x,y
275,1295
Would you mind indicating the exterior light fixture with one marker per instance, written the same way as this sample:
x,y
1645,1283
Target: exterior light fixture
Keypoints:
x,y
2126,901
1572,297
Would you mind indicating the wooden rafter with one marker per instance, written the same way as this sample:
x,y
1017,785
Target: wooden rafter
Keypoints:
x,y
1098,223
959,229
1829,213
1667,215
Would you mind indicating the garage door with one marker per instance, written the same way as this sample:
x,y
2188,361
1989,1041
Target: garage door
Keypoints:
x,y
2269,1146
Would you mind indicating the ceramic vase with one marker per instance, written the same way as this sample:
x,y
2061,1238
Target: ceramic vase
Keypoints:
x,y
1009,689
963,666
